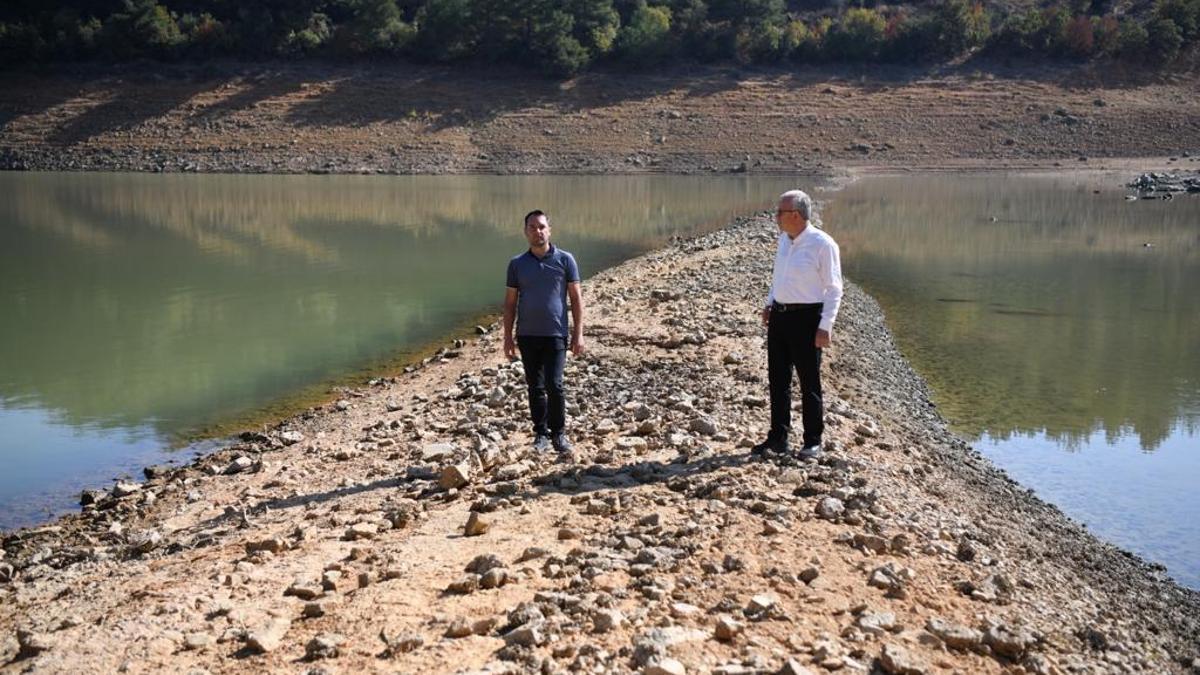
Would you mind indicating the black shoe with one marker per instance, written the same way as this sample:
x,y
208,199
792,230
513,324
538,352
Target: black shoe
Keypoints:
x,y
810,453
541,442
771,445
561,444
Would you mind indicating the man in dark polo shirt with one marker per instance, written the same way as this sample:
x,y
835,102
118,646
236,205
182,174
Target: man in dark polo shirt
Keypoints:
x,y
540,281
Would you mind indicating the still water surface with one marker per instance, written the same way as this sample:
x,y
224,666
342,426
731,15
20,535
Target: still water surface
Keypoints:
x,y
137,309
1059,329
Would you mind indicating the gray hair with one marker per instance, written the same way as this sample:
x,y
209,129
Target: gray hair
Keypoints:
x,y
800,201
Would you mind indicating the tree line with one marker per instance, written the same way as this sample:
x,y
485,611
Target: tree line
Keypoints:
x,y
564,37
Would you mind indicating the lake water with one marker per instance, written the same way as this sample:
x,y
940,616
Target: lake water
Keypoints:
x,y
139,309
1059,328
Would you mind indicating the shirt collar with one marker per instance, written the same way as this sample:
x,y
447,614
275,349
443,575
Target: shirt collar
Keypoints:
x,y
549,253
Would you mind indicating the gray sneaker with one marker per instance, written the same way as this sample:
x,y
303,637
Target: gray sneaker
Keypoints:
x,y
541,442
561,444
809,453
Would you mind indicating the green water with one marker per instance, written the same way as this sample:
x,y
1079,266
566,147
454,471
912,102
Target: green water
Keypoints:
x,y
1059,327
138,309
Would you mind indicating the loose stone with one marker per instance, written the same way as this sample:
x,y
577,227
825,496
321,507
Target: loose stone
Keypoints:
x,y
323,646
269,637
455,476
665,666
476,525
896,660
727,629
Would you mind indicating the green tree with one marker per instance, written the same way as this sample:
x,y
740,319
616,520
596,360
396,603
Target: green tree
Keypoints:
x,y
646,38
1056,18
20,43
1184,13
1164,41
759,43
959,25
801,42
271,27
565,37
375,26
310,37
446,30
205,35
142,28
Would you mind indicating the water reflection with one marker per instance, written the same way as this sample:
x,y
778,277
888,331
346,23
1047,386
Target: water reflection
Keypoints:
x,y
1057,325
140,307
1034,304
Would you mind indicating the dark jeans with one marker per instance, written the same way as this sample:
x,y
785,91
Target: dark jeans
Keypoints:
x,y
791,344
544,358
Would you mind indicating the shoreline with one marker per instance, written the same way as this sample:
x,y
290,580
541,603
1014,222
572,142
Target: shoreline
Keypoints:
x,y
415,120
666,403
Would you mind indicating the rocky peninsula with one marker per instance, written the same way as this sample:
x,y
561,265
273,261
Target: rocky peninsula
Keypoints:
x,y
407,526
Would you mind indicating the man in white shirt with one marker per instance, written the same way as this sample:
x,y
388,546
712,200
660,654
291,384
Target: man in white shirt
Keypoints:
x,y
801,306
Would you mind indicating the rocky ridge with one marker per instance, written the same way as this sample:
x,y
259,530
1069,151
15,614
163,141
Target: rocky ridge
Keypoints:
x,y
407,526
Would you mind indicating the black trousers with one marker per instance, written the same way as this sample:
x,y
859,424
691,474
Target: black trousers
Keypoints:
x,y
791,343
544,358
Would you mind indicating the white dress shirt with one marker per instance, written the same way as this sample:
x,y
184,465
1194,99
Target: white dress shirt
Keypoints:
x,y
808,270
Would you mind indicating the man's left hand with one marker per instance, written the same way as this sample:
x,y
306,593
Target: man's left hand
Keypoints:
x,y
577,347
823,339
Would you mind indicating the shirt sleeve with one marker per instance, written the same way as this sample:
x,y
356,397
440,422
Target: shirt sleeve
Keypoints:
x,y
572,270
774,270
831,285
512,275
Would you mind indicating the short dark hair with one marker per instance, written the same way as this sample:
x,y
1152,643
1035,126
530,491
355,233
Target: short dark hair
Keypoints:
x,y
533,213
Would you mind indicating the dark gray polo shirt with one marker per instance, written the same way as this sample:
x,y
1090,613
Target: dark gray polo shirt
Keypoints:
x,y
541,285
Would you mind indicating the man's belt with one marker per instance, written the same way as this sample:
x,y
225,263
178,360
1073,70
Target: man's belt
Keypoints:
x,y
795,306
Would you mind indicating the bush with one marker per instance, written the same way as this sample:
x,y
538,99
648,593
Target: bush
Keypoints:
x,y
857,36
1056,19
1078,39
959,25
309,38
801,42
646,38
1106,32
759,43
910,39
1132,40
1023,33
205,35
70,37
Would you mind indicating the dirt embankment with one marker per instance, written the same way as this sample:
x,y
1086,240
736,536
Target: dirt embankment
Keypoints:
x,y
408,527
408,119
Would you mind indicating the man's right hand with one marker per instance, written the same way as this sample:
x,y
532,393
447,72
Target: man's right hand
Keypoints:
x,y
510,349
766,316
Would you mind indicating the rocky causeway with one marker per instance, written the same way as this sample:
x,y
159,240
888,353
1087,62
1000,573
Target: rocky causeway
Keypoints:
x,y
407,526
